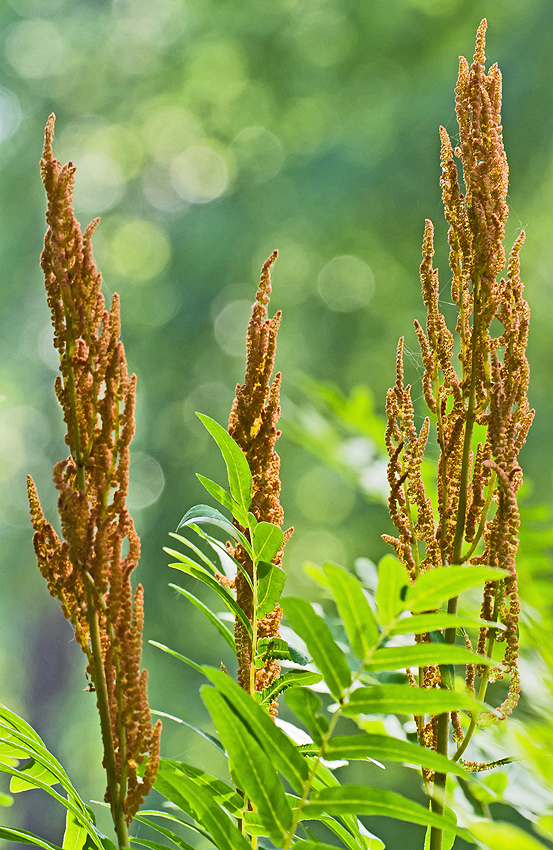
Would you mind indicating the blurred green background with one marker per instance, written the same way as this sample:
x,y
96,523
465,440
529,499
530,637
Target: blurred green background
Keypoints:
x,y
206,133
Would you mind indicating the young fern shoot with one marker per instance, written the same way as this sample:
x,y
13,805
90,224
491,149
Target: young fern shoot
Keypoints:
x,y
480,409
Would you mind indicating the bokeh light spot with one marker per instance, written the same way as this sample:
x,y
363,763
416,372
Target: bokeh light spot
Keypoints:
x,y
138,250
199,174
346,283
325,37
323,496
35,49
146,481
259,154
99,185
10,114
230,326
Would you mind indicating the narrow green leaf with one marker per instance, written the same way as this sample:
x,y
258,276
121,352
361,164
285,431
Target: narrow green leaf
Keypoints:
x,y
393,582
421,655
239,474
271,647
360,839
222,553
200,514
251,768
176,655
223,793
267,541
222,592
316,635
198,803
24,837
270,584
213,619
76,836
292,678
200,556
435,586
306,704
168,833
211,738
33,770
276,744
356,613
404,699
385,748
421,623
498,835
224,498
314,845
363,800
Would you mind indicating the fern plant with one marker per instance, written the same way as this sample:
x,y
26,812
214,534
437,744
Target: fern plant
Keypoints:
x,y
417,618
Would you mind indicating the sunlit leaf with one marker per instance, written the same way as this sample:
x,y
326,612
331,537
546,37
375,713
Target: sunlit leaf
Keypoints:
x,y
385,748
224,498
393,582
251,768
76,836
422,654
276,744
239,474
270,584
421,623
222,792
267,541
404,699
292,678
222,592
318,639
23,837
364,800
435,586
497,835
176,654
355,612
306,705
211,738
163,830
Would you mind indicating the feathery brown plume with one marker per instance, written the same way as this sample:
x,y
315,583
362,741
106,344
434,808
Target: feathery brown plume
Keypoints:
x,y
481,408
86,569
253,426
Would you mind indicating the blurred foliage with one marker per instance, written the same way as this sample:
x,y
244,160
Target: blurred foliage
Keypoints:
x,y
206,133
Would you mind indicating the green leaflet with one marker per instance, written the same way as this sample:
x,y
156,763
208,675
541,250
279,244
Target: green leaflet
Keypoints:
x,y
393,582
211,738
292,678
276,744
213,619
404,699
364,839
273,647
497,835
204,514
251,768
316,635
267,540
222,592
76,836
176,654
421,623
422,654
355,612
305,704
33,770
271,580
168,833
24,837
199,804
216,545
223,793
434,586
363,800
239,474
224,499
385,748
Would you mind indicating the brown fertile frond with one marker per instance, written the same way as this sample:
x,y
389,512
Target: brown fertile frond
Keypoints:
x,y
253,425
485,384
87,571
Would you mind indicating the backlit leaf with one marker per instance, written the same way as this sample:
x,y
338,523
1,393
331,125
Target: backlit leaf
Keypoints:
x,y
435,586
355,612
239,474
393,582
